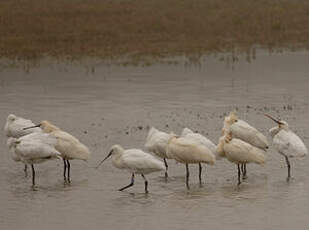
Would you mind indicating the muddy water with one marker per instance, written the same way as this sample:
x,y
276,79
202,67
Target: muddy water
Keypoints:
x,y
112,104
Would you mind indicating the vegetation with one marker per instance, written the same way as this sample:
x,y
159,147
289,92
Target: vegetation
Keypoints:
x,y
136,28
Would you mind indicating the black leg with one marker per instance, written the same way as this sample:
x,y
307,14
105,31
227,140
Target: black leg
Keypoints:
x,y
146,183
244,170
33,176
187,176
238,167
166,167
200,172
69,167
289,168
131,184
26,170
64,170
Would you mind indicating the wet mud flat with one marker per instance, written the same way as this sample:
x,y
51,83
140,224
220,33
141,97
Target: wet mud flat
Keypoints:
x,y
117,104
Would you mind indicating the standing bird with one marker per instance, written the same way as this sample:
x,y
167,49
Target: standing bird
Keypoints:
x,y
14,128
239,152
156,143
190,135
245,132
287,143
135,161
69,146
33,149
189,152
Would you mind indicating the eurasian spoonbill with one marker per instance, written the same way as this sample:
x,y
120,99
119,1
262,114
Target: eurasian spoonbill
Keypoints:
x,y
245,132
156,143
135,161
33,149
188,151
190,135
239,152
14,128
69,146
286,142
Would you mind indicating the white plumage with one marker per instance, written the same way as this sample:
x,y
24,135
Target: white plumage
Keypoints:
x,y
189,134
286,142
188,151
14,126
135,161
245,132
156,143
33,149
239,152
14,129
69,146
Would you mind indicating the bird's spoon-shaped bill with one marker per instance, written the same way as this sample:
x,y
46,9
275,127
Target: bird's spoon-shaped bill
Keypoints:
x,y
275,120
110,153
31,127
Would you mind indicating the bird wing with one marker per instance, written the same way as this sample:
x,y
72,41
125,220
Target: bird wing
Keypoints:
x,y
70,147
189,151
157,143
289,144
136,159
202,140
185,132
242,130
33,150
239,151
45,138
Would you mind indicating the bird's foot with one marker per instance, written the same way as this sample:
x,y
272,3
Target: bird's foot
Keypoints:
x,y
245,177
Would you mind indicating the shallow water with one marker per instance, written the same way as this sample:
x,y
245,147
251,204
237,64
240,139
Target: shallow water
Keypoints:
x,y
113,104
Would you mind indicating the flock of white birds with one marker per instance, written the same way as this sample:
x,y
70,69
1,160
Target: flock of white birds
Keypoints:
x,y
240,143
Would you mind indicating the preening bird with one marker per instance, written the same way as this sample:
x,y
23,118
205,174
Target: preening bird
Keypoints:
x,y
239,152
69,146
135,161
14,128
187,152
286,142
245,132
156,143
33,149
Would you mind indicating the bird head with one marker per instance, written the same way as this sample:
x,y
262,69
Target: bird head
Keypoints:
x,y
113,150
281,124
11,118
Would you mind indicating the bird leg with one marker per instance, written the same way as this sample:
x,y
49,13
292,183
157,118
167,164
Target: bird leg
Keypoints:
x,y
33,176
244,171
187,176
64,170
289,168
69,167
131,184
200,172
146,183
166,168
238,167
25,170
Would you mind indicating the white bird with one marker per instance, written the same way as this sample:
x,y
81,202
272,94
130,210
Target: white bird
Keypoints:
x,y
135,161
69,146
239,152
243,131
287,143
190,135
156,143
33,149
189,152
14,128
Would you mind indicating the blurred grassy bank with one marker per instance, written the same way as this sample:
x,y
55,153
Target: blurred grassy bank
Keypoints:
x,y
136,28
